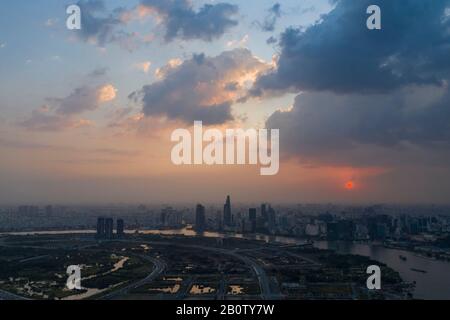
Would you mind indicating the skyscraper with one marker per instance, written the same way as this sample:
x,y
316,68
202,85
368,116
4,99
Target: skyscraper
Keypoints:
x,y
227,213
100,227
200,218
272,216
264,215
109,228
252,218
163,217
120,228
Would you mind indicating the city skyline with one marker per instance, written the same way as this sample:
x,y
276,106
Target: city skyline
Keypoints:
x,y
337,242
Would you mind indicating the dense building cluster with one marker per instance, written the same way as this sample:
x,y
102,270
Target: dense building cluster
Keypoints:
x,y
105,228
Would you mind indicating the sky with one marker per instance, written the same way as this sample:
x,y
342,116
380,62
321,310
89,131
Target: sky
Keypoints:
x,y
87,115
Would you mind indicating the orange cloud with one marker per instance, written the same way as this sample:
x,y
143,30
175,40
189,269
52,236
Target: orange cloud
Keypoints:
x,y
106,93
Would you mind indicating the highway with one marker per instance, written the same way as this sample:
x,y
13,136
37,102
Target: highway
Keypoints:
x,y
159,267
261,275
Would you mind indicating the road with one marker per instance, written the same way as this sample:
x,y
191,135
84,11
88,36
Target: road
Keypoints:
x,y
263,280
159,268
10,296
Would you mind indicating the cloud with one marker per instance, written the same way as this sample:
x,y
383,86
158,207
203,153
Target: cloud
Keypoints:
x,y
144,66
26,144
201,88
100,27
43,120
367,98
408,127
161,73
272,40
340,54
270,21
61,113
238,43
182,21
84,99
99,72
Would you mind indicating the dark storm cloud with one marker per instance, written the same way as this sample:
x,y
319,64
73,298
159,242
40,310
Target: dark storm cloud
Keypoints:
x,y
340,54
371,129
182,21
370,97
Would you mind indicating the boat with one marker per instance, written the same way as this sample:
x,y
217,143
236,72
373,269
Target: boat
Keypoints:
x,y
403,258
418,270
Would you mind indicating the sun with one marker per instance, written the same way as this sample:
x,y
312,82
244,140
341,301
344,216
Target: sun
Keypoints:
x,y
349,185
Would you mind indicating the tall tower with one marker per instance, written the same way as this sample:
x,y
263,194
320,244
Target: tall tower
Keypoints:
x,y
101,232
252,218
227,212
120,228
109,227
200,218
264,214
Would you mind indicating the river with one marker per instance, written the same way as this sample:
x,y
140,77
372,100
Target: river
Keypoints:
x,y
434,284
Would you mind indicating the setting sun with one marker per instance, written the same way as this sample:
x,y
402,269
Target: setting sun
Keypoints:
x,y
350,185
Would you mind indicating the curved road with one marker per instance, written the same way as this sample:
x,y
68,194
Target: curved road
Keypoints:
x,y
264,284
160,266
4,295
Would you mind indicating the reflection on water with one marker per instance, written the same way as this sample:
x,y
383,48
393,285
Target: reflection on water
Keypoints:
x,y
119,265
170,290
189,232
434,284
236,290
200,289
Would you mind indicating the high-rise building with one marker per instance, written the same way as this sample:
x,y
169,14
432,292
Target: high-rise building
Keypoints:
x,y
101,228
252,218
109,228
264,215
163,217
171,218
272,217
200,218
227,213
120,228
